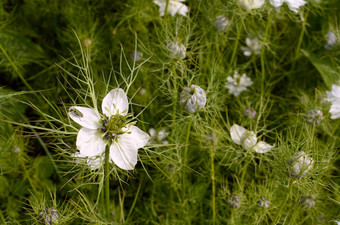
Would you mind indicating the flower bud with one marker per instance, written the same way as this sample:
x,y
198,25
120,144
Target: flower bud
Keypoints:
x,y
300,165
193,98
314,116
330,40
248,140
49,216
177,50
250,113
263,202
221,23
234,201
136,56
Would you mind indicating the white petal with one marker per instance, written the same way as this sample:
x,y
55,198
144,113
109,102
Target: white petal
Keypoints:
x,y
335,109
85,117
123,152
276,3
115,102
262,147
294,5
89,142
236,132
248,140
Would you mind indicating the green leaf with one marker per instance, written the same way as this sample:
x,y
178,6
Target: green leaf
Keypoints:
x,y
328,67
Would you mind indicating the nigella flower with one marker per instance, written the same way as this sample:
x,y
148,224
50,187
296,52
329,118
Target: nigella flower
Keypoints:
x,y
251,4
237,83
253,47
248,140
177,50
314,116
193,98
136,56
300,164
307,201
293,5
49,216
221,23
174,7
158,136
333,96
114,128
263,202
330,40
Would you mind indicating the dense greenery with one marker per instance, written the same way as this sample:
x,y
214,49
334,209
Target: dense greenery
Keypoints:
x,y
58,54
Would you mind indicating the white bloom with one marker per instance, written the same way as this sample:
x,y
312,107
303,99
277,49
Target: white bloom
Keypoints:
x,y
113,128
221,23
337,222
193,98
253,47
237,83
136,56
177,50
158,136
314,116
293,5
174,7
333,96
330,40
251,4
248,140
300,165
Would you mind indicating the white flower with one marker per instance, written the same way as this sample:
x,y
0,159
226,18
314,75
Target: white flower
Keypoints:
x,y
333,96
314,116
193,98
221,23
307,201
337,222
251,4
136,56
174,7
253,47
112,128
177,50
330,40
293,5
237,83
300,164
158,136
248,140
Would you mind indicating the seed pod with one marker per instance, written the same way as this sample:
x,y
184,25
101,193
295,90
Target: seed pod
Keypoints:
x,y
300,165
221,23
177,50
49,216
136,56
193,98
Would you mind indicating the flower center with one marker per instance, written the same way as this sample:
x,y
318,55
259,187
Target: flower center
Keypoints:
x,y
113,126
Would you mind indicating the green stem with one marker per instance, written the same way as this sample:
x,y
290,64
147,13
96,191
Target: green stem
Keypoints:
x,y
2,217
185,156
107,181
239,31
244,172
213,185
283,204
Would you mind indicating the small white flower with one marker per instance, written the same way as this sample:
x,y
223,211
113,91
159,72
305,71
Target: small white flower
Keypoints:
x,y
248,140
314,116
293,5
177,50
174,7
300,164
158,136
251,4
330,40
237,83
112,128
333,96
136,56
253,47
221,23
193,98
49,216
307,201
263,202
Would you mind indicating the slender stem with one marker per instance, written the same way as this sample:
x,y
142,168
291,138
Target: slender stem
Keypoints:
x,y
185,156
283,204
213,184
239,31
107,181
244,172
2,217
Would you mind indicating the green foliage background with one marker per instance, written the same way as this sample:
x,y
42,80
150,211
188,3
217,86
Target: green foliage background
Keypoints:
x,y
50,51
